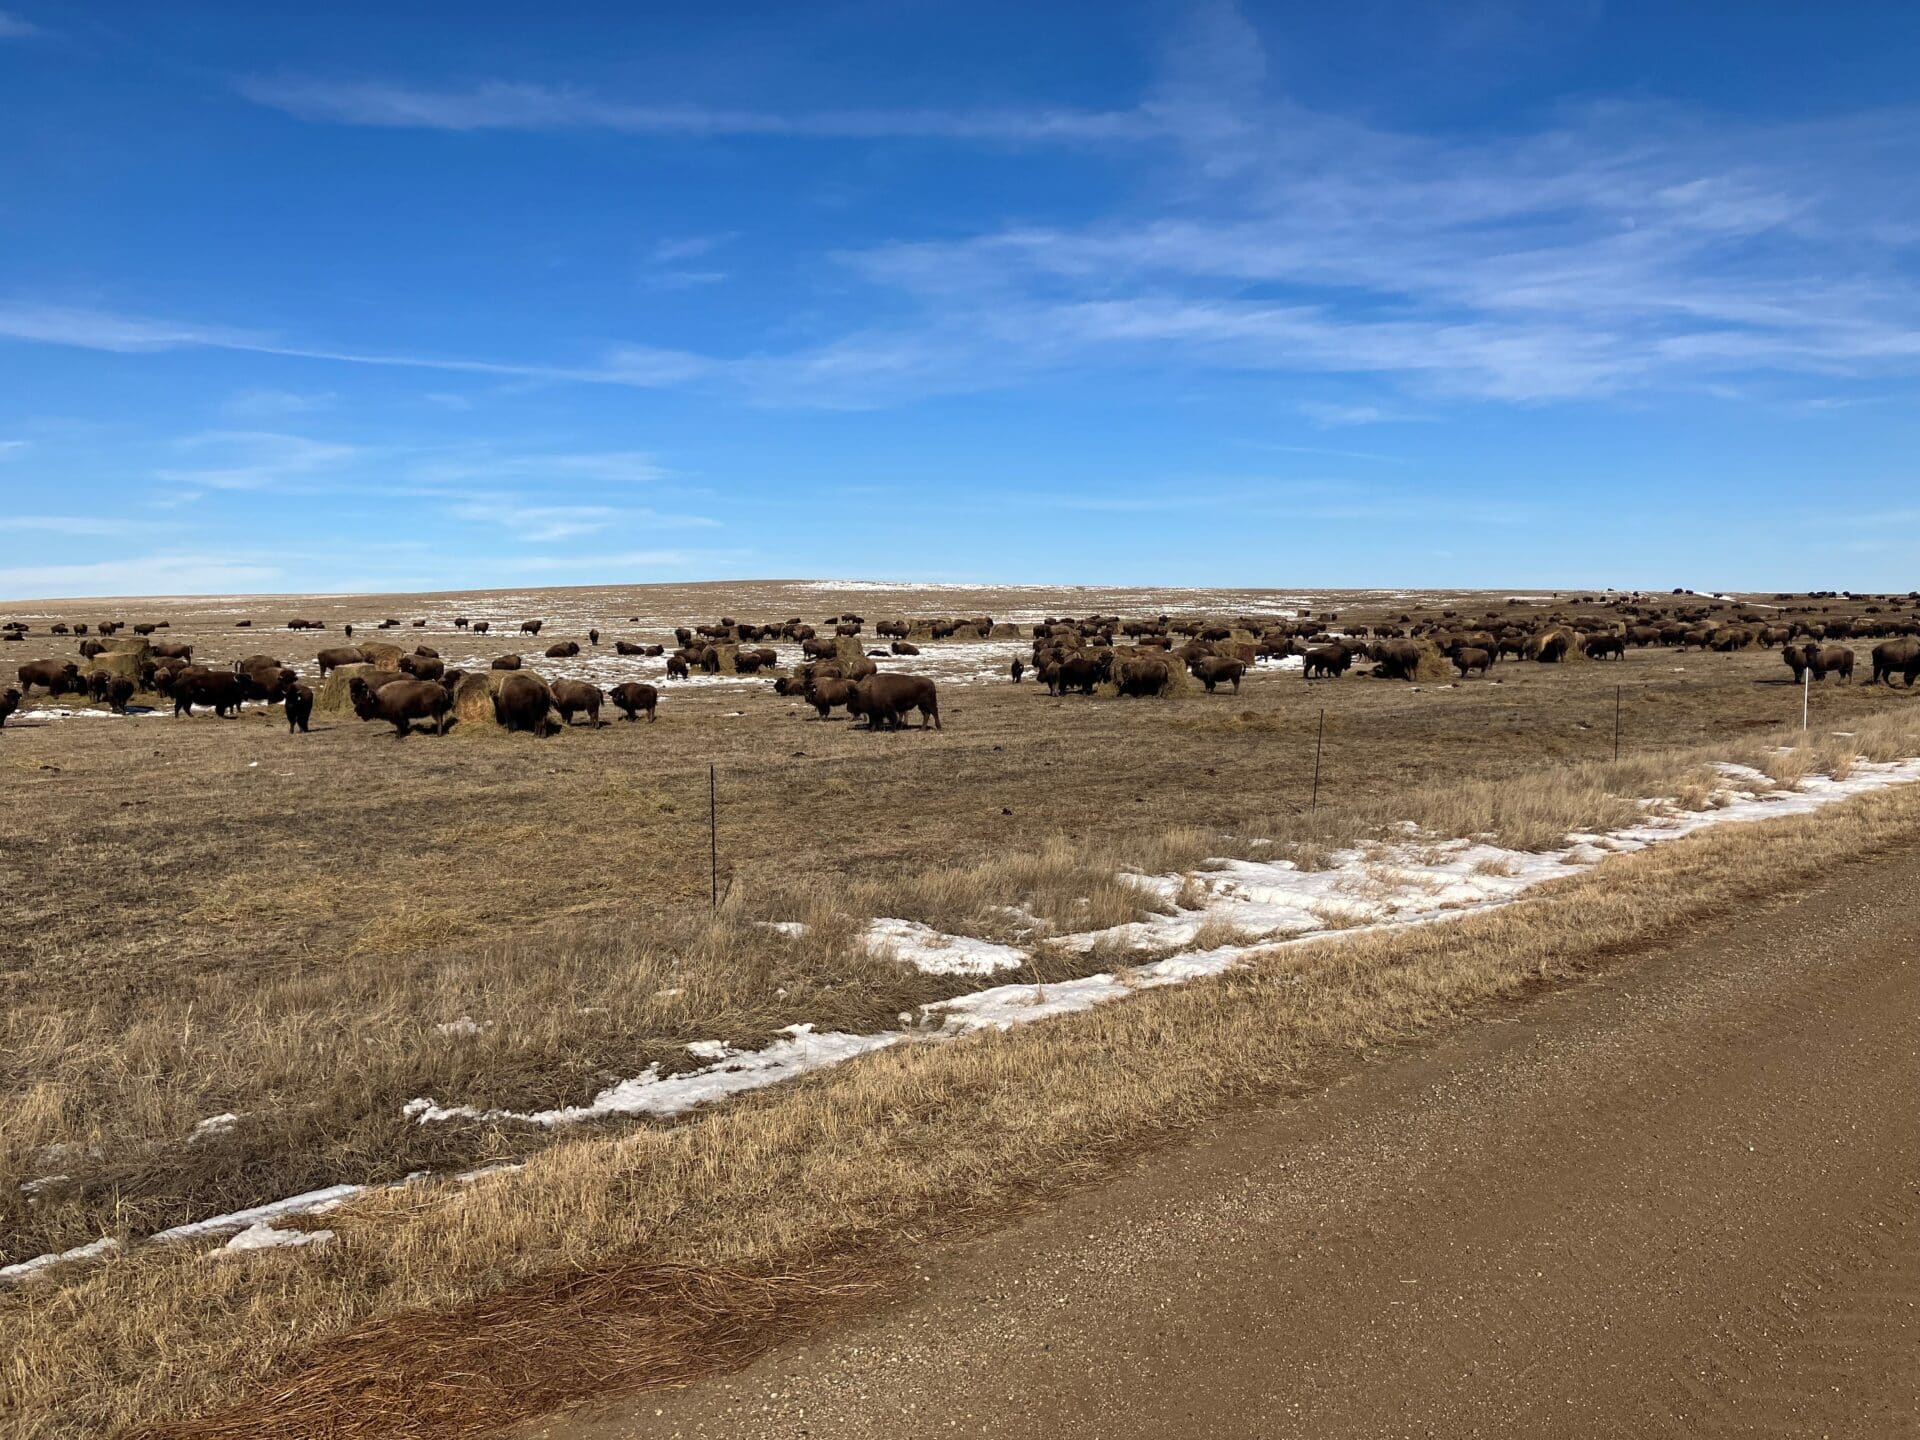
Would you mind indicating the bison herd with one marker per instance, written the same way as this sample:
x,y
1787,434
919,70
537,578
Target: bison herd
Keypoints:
x,y
1103,654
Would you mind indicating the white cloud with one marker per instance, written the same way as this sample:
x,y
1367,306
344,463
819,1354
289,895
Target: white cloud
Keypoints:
x,y
12,27
1330,415
260,460
13,449
503,105
265,403
82,525
162,573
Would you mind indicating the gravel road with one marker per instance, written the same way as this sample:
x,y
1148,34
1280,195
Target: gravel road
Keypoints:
x,y
1683,1199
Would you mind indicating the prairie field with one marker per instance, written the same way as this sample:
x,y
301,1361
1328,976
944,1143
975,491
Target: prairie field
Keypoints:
x,y
245,965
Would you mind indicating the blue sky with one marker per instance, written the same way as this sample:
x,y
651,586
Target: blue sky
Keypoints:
x,y
414,296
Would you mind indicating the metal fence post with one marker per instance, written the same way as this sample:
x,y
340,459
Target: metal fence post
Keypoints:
x,y
713,835
1319,740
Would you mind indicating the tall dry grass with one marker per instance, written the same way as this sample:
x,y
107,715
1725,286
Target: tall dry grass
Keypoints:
x,y
639,1259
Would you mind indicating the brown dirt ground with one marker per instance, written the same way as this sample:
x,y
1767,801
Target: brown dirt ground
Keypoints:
x,y
1681,1200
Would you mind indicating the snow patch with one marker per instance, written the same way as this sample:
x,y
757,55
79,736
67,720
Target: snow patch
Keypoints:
x,y
938,953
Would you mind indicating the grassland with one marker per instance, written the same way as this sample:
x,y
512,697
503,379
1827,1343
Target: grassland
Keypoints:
x,y
226,919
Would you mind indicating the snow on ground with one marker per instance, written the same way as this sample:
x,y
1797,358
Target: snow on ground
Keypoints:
x,y
1265,905
262,1236
925,948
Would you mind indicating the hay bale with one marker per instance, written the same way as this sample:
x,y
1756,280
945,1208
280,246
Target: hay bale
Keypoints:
x,y
1434,667
121,664
845,647
967,633
1004,631
384,656
334,697
135,645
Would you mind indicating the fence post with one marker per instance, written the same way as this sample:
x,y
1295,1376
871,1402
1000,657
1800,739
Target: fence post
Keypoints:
x,y
713,836
1806,695
1319,739
1616,723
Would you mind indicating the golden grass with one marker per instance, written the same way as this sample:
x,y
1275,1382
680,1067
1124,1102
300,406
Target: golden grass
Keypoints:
x,y
644,1259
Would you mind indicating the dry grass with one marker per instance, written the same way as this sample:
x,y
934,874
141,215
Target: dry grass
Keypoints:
x,y
236,920
641,1259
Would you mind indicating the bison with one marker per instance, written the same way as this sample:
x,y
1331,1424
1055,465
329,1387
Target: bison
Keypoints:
x,y
9,702
1212,670
1331,661
299,708
401,702
564,650
1469,658
506,662
632,697
343,655
59,676
572,695
522,703
531,627
193,685
1902,655
885,699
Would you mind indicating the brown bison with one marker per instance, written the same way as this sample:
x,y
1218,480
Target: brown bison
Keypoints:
x,y
564,650
1602,647
401,702
572,695
531,627
1469,658
522,703
677,667
1902,655
1017,669
9,702
1212,670
827,693
628,647
343,655
506,662
1831,660
633,697
481,627
423,667
1143,676
59,676
221,690
885,700
299,708
1331,661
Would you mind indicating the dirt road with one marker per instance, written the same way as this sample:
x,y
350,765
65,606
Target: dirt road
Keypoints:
x,y
1683,1199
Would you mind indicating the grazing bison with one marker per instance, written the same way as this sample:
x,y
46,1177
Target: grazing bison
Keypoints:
x,y
1331,661
171,650
222,690
522,703
117,692
885,700
1469,658
423,667
677,667
401,702
343,655
9,702
628,647
1143,676
1902,655
531,627
506,662
1601,647
460,622
481,627
572,695
1212,670
1832,660
1550,647
633,697
901,647
826,693
299,708
59,676
564,650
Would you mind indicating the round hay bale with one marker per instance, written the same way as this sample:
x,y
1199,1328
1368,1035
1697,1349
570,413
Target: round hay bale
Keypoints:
x,y
845,647
1004,631
384,656
473,699
970,634
122,664
1434,667
134,645
335,698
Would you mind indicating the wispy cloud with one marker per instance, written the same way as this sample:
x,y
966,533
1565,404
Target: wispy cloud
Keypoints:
x,y
505,105
12,27
82,526
258,460
157,573
13,449
263,403
1331,416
